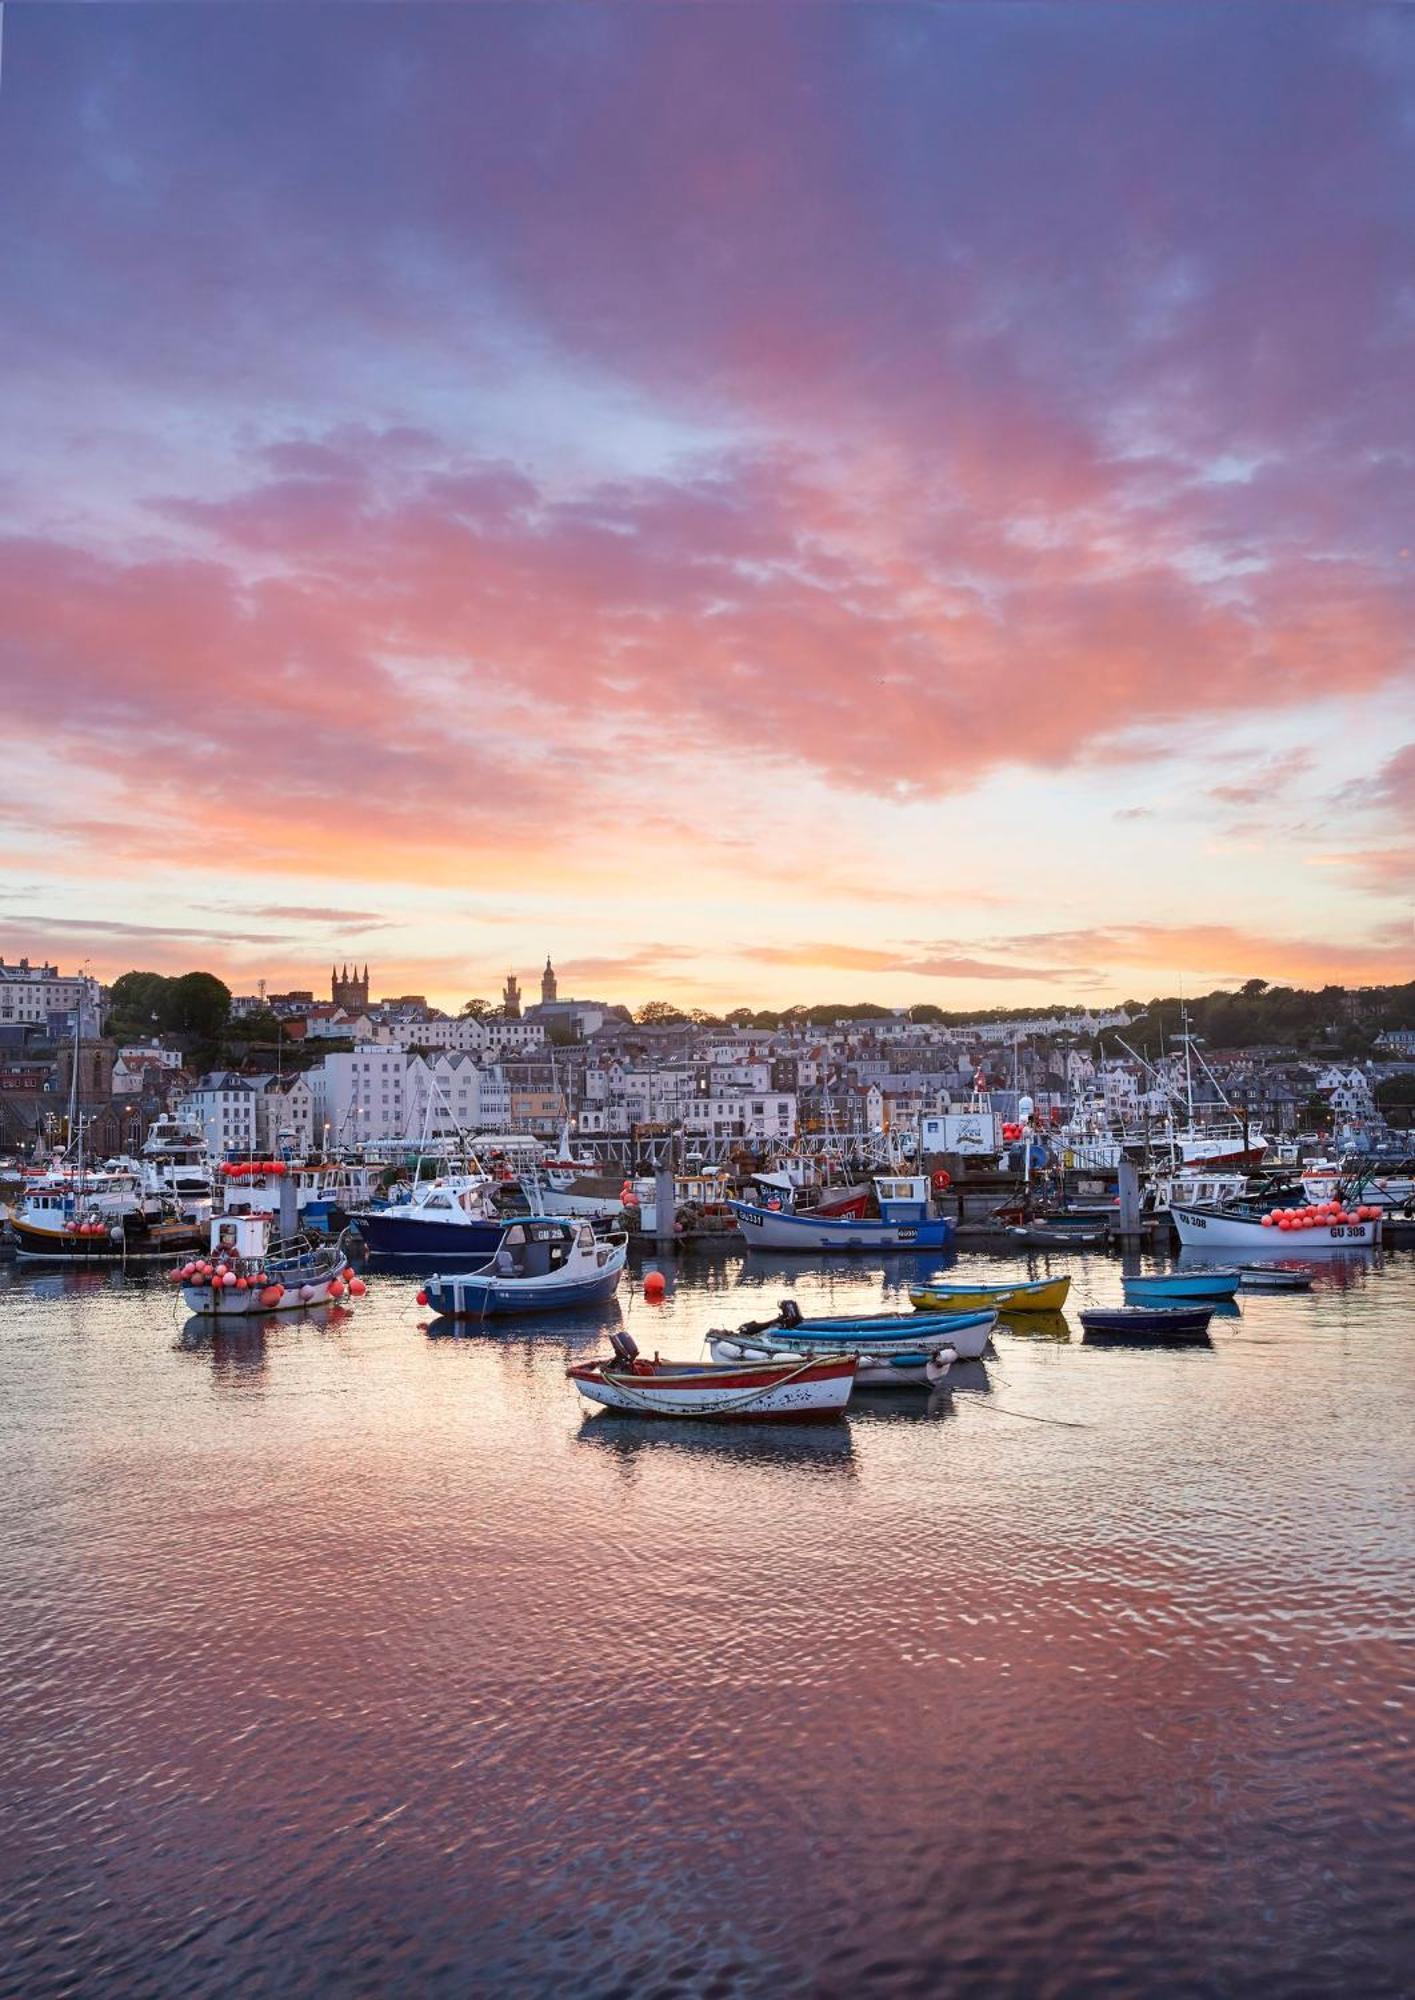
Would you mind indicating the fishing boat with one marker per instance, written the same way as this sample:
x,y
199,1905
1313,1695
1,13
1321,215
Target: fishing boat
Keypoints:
x,y
1246,1227
1009,1295
1262,1278
797,1389
1162,1288
454,1218
894,1349
1057,1232
248,1270
102,1219
1190,1322
175,1159
904,1222
542,1264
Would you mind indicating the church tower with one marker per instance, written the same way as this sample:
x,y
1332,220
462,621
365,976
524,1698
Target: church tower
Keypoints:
x,y
511,997
547,983
347,989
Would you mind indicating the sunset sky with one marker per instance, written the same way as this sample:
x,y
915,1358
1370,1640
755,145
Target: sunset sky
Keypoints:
x,y
766,503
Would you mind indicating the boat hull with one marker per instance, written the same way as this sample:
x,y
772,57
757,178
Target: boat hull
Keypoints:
x,y
1024,1295
922,1367
1148,1323
1038,1237
1174,1287
225,1302
770,1229
471,1297
54,1246
789,1392
1213,1230
403,1241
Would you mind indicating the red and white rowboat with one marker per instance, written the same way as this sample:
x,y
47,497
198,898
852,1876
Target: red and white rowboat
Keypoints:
x,y
793,1389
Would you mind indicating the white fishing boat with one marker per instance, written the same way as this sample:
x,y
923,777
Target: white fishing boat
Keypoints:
x,y
795,1390
175,1159
248,1271
1230,1229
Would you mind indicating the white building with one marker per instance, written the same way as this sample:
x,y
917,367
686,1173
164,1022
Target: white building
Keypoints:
x,y
359,1096
227,1107
285,1116
453,1094
504,1037
768,1116
32,994
465,1033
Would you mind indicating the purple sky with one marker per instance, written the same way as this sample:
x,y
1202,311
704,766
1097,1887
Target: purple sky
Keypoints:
x,y
764,502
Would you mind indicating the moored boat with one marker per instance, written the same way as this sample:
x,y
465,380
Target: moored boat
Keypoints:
x,y
102,1221
1057,1233
542,1264
904,1222
1174,1287
794,1390
894,1349
248,1270
1013,1295
1263,1278
1248,1228
1189,1322
452,1218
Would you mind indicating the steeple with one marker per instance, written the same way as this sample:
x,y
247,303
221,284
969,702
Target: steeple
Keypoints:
x,y
547,982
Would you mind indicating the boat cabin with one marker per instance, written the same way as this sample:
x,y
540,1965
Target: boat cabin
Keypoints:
x,y
902,1197
538,1247
246,1236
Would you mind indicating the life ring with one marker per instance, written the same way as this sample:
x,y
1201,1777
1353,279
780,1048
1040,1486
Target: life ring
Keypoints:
x,y
942,1179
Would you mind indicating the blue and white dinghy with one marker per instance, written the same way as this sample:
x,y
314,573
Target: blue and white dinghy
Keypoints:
x,y
896,1350
543,1263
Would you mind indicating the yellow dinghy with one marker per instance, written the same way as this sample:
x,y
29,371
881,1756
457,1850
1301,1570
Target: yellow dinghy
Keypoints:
x,y
1019,1295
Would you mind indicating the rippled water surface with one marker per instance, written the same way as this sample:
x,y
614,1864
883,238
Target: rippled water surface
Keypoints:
x,y
341,1657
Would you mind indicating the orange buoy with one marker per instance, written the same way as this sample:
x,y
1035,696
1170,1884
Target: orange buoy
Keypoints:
x,y
422,1298
655,1285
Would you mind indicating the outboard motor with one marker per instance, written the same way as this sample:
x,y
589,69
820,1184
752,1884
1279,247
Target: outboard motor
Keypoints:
x,y
626,1347
790,1313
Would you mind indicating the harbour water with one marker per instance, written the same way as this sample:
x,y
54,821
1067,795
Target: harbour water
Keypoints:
x,y
343,1658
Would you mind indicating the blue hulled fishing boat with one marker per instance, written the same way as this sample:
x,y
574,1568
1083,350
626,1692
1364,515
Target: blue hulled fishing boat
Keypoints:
x,y
904,1222
543,1263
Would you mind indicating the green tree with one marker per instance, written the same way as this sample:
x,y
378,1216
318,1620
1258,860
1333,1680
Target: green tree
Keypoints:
x,y
475,1010
136,1004
197,1004
659,1013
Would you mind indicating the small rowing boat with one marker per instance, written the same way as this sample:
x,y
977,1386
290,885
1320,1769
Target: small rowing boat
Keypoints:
x,y
1260,1279
1147,1323
894,1350
1164,1288
1011,1295
797,1389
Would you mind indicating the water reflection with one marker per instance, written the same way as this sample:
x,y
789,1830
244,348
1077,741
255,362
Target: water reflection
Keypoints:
x,y
238,1347
1035,1326
789,1448
371,1680
586,1324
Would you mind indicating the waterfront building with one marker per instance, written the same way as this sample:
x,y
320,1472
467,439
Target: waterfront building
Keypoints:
x,y
226,1106
41,996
